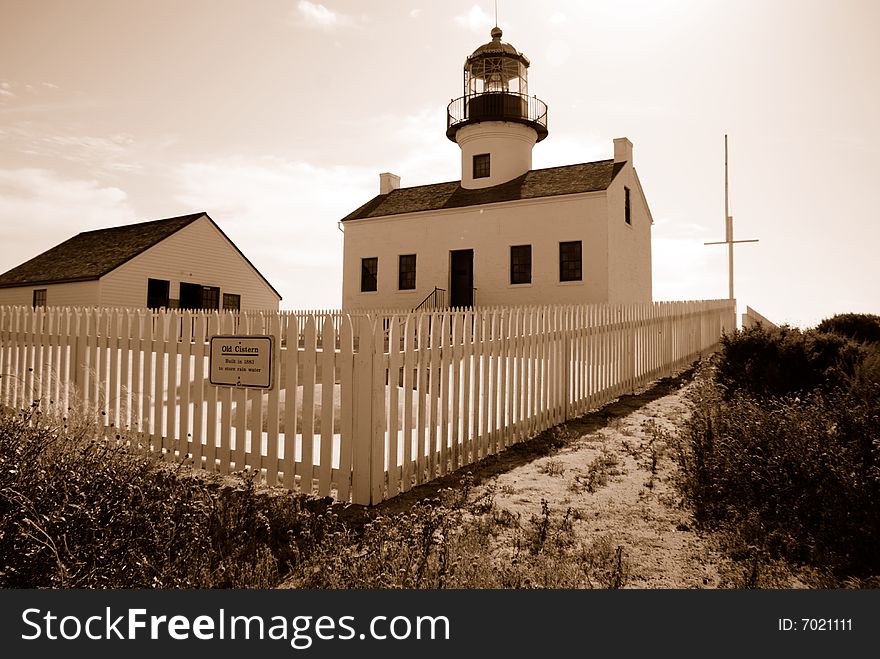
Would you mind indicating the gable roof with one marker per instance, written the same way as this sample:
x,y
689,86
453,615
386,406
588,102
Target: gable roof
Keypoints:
x,y
92,254
534,184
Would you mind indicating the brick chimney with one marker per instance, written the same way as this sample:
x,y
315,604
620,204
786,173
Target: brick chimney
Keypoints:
x,y
388,182
623,150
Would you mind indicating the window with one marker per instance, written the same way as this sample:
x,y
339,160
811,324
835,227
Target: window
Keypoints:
x,y
626,211
39,297
157,293
406,272
231,302
190,295
196,296
369,273
210,297
570,261
521,264
481,165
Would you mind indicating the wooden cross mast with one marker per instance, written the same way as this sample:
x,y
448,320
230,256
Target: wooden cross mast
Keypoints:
x,y
728,224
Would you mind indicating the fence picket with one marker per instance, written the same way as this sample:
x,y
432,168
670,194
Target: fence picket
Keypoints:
x,y
273,439
408,421
346,411
422,393
328,384
307,466
434,382
445,350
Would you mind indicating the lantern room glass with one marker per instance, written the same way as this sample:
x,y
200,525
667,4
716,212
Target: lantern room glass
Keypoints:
x,y
495,74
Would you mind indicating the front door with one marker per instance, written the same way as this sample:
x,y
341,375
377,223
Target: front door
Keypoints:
x,y
461,278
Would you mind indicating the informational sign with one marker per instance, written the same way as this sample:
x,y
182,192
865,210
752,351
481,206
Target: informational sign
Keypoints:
x,y
242,361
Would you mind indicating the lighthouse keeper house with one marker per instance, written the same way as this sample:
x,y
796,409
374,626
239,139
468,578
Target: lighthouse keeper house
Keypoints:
x,y
184,262
505,234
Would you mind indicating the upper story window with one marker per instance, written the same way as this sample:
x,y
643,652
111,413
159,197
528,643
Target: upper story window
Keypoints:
x,y
570,263
521,264
406,272
626,208
481,165
39,297
369,274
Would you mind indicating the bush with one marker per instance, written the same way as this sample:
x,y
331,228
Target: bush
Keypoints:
x,y
860,327
80,512
782,361
798,476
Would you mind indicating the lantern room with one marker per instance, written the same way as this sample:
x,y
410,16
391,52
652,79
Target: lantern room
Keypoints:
x,y
496,89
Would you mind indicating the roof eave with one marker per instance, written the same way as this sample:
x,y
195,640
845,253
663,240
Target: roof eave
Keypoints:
x,y
455,209
48,282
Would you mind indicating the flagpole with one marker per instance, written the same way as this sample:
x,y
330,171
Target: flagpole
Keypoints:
x,y
728,228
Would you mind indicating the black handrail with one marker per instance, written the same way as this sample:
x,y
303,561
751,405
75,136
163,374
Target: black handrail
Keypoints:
x,y
436,298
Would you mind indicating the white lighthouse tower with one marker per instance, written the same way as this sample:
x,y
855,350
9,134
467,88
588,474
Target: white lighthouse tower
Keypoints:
x,y
495,123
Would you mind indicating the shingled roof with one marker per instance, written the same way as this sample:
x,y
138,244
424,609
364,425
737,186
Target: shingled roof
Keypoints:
x,y
92,254
536,183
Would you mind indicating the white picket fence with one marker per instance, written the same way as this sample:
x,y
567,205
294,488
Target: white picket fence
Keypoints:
x,y
364,406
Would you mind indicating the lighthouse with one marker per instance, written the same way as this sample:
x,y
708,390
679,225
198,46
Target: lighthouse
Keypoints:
x,y
495,122
503,234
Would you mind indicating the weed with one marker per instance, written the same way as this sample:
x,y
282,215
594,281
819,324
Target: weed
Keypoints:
x,y
604,563
552,468
507,490
597,472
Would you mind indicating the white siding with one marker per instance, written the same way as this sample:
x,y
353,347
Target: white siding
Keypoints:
x,y
490,231
508,144
198,254
629,268
81,293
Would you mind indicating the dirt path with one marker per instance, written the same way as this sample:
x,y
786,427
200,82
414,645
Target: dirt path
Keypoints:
x,y
617,482
613,477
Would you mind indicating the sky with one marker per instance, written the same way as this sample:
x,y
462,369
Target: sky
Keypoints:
x,y
276,118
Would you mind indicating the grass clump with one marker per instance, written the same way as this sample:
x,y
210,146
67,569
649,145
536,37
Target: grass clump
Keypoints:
x,y
454,541
80,510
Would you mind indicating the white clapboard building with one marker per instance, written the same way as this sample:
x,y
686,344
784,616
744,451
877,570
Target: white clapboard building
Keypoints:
x,y
180,262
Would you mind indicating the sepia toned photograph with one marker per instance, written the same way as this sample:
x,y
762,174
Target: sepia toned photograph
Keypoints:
x,y
475,296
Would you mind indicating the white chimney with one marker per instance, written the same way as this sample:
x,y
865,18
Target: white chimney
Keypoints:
x,y
388,182
623,150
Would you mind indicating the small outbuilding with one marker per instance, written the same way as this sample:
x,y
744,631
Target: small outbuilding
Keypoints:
x,y
182,262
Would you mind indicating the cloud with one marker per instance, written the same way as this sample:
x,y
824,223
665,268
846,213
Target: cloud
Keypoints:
x,y
40,208
475,20
414,13
283,215
557,18
6,90
109,153
318,16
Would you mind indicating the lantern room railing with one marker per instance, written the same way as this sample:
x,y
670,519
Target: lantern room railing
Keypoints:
x,y
497,106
